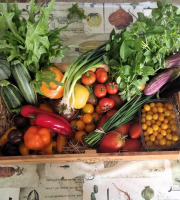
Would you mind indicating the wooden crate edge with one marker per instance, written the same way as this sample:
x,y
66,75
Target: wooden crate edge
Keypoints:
x,y
91,157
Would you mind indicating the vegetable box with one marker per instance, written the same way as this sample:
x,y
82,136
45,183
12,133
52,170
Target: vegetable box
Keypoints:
x,y
48,136
79,153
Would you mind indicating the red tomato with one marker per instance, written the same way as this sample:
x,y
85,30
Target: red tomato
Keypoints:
x,y
101,75
132,145
117,100
106,104
135,131
88,78
102,120
124,129
112,142
112,88
110,113
100,90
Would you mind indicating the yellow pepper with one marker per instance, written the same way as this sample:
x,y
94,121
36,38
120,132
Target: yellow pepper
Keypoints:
x,y
61,142
23,149
50,149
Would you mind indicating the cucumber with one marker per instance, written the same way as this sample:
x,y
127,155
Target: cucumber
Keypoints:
x,y
23,78
11,96
5,71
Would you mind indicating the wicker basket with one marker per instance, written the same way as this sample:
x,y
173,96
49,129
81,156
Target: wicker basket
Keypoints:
x,y
75,152
5,118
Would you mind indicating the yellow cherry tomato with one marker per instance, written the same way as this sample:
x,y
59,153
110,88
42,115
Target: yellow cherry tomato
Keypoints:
x,y
80,125
87,118
89,128
88,108
78,136
147,107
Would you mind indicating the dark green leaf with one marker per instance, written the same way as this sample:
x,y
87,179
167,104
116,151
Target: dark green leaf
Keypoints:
x,y
165,2
114,62
126,70
138,44
123,85
147,70
141,16
158,29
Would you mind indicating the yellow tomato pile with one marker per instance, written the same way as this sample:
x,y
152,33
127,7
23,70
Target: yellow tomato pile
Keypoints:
x,y
87,121
159,124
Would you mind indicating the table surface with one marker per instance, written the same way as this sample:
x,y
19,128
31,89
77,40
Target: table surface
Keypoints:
x,y
77,180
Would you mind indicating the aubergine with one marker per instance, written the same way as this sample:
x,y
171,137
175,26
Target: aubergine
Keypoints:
x,y
159,80
173,61
170,88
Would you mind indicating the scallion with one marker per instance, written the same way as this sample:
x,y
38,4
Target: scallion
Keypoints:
x,y
82,64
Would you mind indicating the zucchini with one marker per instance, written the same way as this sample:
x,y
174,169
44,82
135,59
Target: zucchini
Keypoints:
x,y
11,96
23,78
5,71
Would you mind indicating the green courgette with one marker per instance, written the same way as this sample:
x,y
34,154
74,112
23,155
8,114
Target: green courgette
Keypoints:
x,y
23,79
11,96
5,71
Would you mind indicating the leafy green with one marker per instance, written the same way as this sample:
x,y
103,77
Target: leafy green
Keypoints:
x,y
75,11
29,40
139,52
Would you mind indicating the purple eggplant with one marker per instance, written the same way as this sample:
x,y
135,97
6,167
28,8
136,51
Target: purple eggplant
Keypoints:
x,y
173,61
158,81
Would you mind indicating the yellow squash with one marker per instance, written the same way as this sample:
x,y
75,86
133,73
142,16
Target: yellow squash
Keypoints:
x,y
81,95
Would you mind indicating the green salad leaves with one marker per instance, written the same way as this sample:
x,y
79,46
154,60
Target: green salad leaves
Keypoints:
x,y
29,40
139,52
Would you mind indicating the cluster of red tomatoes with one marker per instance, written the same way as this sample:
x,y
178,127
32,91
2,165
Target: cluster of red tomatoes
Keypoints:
x,y
101,87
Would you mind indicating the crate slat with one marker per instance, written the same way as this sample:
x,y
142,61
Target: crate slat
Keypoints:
x,y
91,157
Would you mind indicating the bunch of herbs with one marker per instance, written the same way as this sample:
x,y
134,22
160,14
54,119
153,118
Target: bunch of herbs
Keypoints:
x,y
139,52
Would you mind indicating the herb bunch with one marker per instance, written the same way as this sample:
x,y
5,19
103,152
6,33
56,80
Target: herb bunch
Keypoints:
x,y
138,53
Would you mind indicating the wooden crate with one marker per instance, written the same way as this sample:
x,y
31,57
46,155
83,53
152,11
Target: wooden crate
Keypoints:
x,y
90,155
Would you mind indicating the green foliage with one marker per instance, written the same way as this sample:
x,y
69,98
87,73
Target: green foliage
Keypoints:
x,y
75,11
138,53
29,40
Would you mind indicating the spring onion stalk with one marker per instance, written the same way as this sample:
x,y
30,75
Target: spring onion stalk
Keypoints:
x,y
125,114
82,64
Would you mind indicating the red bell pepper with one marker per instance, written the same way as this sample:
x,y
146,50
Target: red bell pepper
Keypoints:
x,y
53,123
37,138
29,110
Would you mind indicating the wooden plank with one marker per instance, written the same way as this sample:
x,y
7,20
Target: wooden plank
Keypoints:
x,y
90,157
